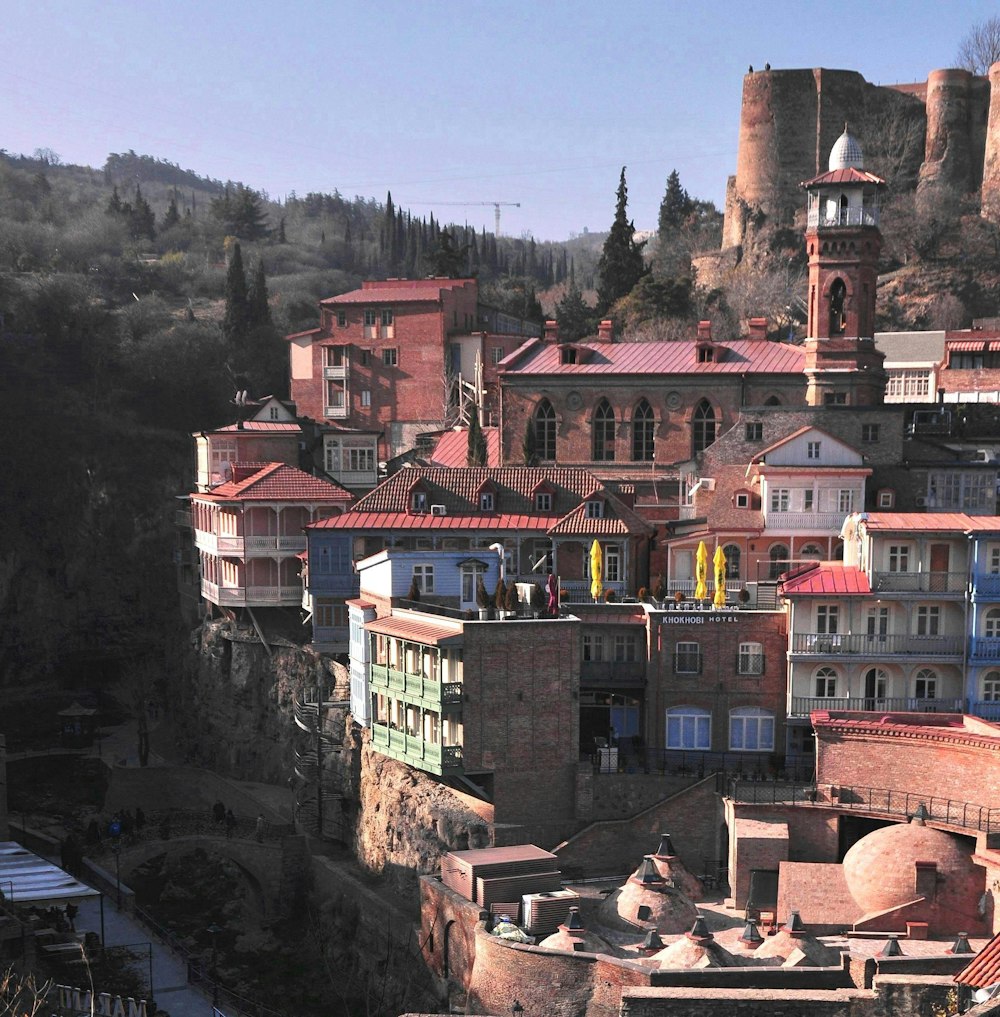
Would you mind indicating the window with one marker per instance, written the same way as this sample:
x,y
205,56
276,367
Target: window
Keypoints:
x,y
543,502
993,623
869,433
928,620
335,393
907,386
486,501
703,426
332,457
687,658
689,728
826,683
991,687
886,499
366,357
642,433
925,684
625,647
845,501
778,556
334,356
342,319
750,659
418,501
732,553
808,500
496,354
751,730
743,500
593,647
423,578
612,563
595,510
706,354
387,317
545,431
332,559
371,317
838,299
568,355
755,431
780,497
360,459
329,614
470,573
827,616
834,398
899,558
274,412
813,449
390,356
994,561
965,361
604,432
878,621
811,552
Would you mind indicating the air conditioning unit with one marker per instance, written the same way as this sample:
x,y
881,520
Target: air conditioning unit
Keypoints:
x,y
438,510
708,483
542,913
920,501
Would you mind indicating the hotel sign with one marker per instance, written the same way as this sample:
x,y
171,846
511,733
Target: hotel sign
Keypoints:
x,y
698,618
82,1001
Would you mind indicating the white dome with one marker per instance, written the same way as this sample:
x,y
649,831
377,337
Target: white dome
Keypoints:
x,y
846,152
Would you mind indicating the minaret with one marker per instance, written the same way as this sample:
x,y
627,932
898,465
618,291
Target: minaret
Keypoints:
x,y
843,367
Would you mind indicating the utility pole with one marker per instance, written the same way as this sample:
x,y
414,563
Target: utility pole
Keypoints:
x,y
468,204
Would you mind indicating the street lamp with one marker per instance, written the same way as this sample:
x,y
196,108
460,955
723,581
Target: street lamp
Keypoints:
x,y
214,930
115,829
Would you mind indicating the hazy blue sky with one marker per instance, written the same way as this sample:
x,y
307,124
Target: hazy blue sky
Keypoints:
x,y
534,102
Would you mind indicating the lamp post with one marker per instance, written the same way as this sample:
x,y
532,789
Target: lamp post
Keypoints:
x,y
215,930
115,829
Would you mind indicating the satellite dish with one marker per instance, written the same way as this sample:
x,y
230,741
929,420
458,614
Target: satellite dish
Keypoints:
x,y
986,993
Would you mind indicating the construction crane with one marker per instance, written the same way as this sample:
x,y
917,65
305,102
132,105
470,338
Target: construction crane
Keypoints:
x,y
466,204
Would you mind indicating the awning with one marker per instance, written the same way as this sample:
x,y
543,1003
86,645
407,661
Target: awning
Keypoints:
x,y
26,878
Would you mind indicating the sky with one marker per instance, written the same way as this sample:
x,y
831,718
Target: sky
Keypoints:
x,y
536,103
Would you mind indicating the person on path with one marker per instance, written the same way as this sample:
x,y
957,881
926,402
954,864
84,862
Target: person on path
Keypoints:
x,y
140,820
230,823
260,828
219,812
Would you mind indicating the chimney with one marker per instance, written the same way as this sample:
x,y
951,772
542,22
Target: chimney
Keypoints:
x,y
552,330
705,330
606,331
758,328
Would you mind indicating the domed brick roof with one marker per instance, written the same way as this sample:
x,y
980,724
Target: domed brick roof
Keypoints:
x,y
846,152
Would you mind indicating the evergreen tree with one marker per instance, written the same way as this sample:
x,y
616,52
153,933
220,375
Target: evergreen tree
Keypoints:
x,y
675,207
240,213
236,320
621,265
575,317
258,311
114,206
446,259
529,447
142,221
282,239
477,453
172,216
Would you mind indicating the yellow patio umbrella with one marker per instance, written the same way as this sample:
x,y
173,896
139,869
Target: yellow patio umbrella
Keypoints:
x,y
701,572
719,561
596,567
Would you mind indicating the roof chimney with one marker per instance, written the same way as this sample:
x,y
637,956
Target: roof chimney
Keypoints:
x,y
648,873
606,331
705,330
666,848
552,330
758,328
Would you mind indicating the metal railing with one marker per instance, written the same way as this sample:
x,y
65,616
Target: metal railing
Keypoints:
x,y
811,521
578,591
864,216
857,798
758,766
170,823
919,582
986,584
802,706
824,644
985,648
985,709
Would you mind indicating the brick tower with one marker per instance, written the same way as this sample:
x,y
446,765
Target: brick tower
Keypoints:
x,y
843,242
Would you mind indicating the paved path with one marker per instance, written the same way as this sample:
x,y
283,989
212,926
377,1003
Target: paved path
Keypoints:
x,y
171,991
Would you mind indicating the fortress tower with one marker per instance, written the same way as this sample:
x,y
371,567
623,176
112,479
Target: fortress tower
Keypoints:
x,y
843,241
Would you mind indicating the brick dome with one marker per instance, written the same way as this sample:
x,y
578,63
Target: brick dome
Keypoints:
x,y
846,152
880,869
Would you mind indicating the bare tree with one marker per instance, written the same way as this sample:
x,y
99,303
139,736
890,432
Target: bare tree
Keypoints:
x,y
980,48
891,127
21,995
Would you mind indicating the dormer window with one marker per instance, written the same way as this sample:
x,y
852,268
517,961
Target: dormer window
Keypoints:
x,y
486,501
813,449
567,355
418,501
543,501
743,499
595,509
706,354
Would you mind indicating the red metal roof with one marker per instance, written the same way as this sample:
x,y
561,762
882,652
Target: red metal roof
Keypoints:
x,y
398,291
959,522
848,175
354,519
452,448
418,628
259,425
739,356
278,482
984,968
828,578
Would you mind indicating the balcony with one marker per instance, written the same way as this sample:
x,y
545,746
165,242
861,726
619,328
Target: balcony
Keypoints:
x,y
984,650
819,644
294,543
412,749
986,587
251,596
920,582
331,372
804,522
985,709
802,706
335,411
578,591
212,543
864,216
613,672
414,686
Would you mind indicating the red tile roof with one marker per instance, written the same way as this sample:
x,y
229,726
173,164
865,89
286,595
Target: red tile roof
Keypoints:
x,y
848,175
499,521
826,578
739,356
452,448
984,968
965,345
278,482
258,425
397,291
418,628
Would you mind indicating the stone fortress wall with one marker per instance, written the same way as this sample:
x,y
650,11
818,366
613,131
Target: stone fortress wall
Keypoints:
x,y
944,131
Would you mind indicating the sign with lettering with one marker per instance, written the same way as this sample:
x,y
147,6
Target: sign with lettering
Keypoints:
x,y
103,1004
697,618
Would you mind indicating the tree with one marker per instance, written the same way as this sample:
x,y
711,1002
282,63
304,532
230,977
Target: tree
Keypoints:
x,y
258,310
172,216
236,320
575,317
529,447
674,208
446,259
621,265
21,995
142,222
980,48
477,453
240,212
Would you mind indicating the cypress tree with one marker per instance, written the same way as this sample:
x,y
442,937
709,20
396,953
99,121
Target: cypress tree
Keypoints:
x,y
621,265
258,311
236,320
477,452
675,207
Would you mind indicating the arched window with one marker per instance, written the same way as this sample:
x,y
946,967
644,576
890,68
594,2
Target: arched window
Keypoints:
x,y
751,729
991,687
838,301
545,431
642,433
778,556
925,684
689,727
702,426
844,205
732,553
604,432
993,623
811,552
876,683
826,683
772,401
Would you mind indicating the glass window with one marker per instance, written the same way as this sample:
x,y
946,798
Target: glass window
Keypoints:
x,y
751,730
991,687
342,319
496,354
743,500
371,316
387,316
779,499
750,659
886,499
928,620
595,509
994,561
418,501
642,433
604,432
813,449
826,618
993,623
423,577
778,556
754,431
689,727
390,356
486,501
625,647
545,431
925,684
543,502
366,397
845,501
612,563
869,433
703,426
826,683
593,646
687,658
899,558
732,553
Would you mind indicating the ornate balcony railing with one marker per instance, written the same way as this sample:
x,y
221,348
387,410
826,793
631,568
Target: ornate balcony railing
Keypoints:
x,y
835,644
578,591
413,749
864,216
985,709
986,585
415,686
251,595
984,649
802,706
919,582
812,522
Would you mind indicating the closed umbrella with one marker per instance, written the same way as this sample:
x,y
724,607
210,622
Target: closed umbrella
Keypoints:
x,y
596,562
701,572
553,603
719,561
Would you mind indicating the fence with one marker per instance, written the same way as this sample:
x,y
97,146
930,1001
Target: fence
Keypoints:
x,y
752,765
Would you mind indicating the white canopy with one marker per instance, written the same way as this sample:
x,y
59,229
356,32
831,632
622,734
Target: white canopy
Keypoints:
x,y
25,878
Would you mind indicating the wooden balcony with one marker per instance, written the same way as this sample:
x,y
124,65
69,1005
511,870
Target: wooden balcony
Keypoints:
x,y
802,706
939,583
804,522
412,749
986,587
251,596
249,547
984,650
427,689
820,644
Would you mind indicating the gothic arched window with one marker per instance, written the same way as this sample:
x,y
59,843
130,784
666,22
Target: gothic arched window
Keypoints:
x,y
702,426
838,302
545,431
642,433
604,432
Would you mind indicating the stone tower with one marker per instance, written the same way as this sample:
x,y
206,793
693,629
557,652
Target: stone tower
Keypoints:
x,y
843,241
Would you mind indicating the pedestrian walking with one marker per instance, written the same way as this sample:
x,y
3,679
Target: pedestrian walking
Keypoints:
x,y
71,912
230,823
219,812
260,827
140,820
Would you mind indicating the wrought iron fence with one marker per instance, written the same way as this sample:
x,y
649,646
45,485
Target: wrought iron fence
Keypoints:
x,y
754,766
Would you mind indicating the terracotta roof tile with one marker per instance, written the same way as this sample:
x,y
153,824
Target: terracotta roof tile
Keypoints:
x,y
278,482
984,968
397,292
959,522
258,425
